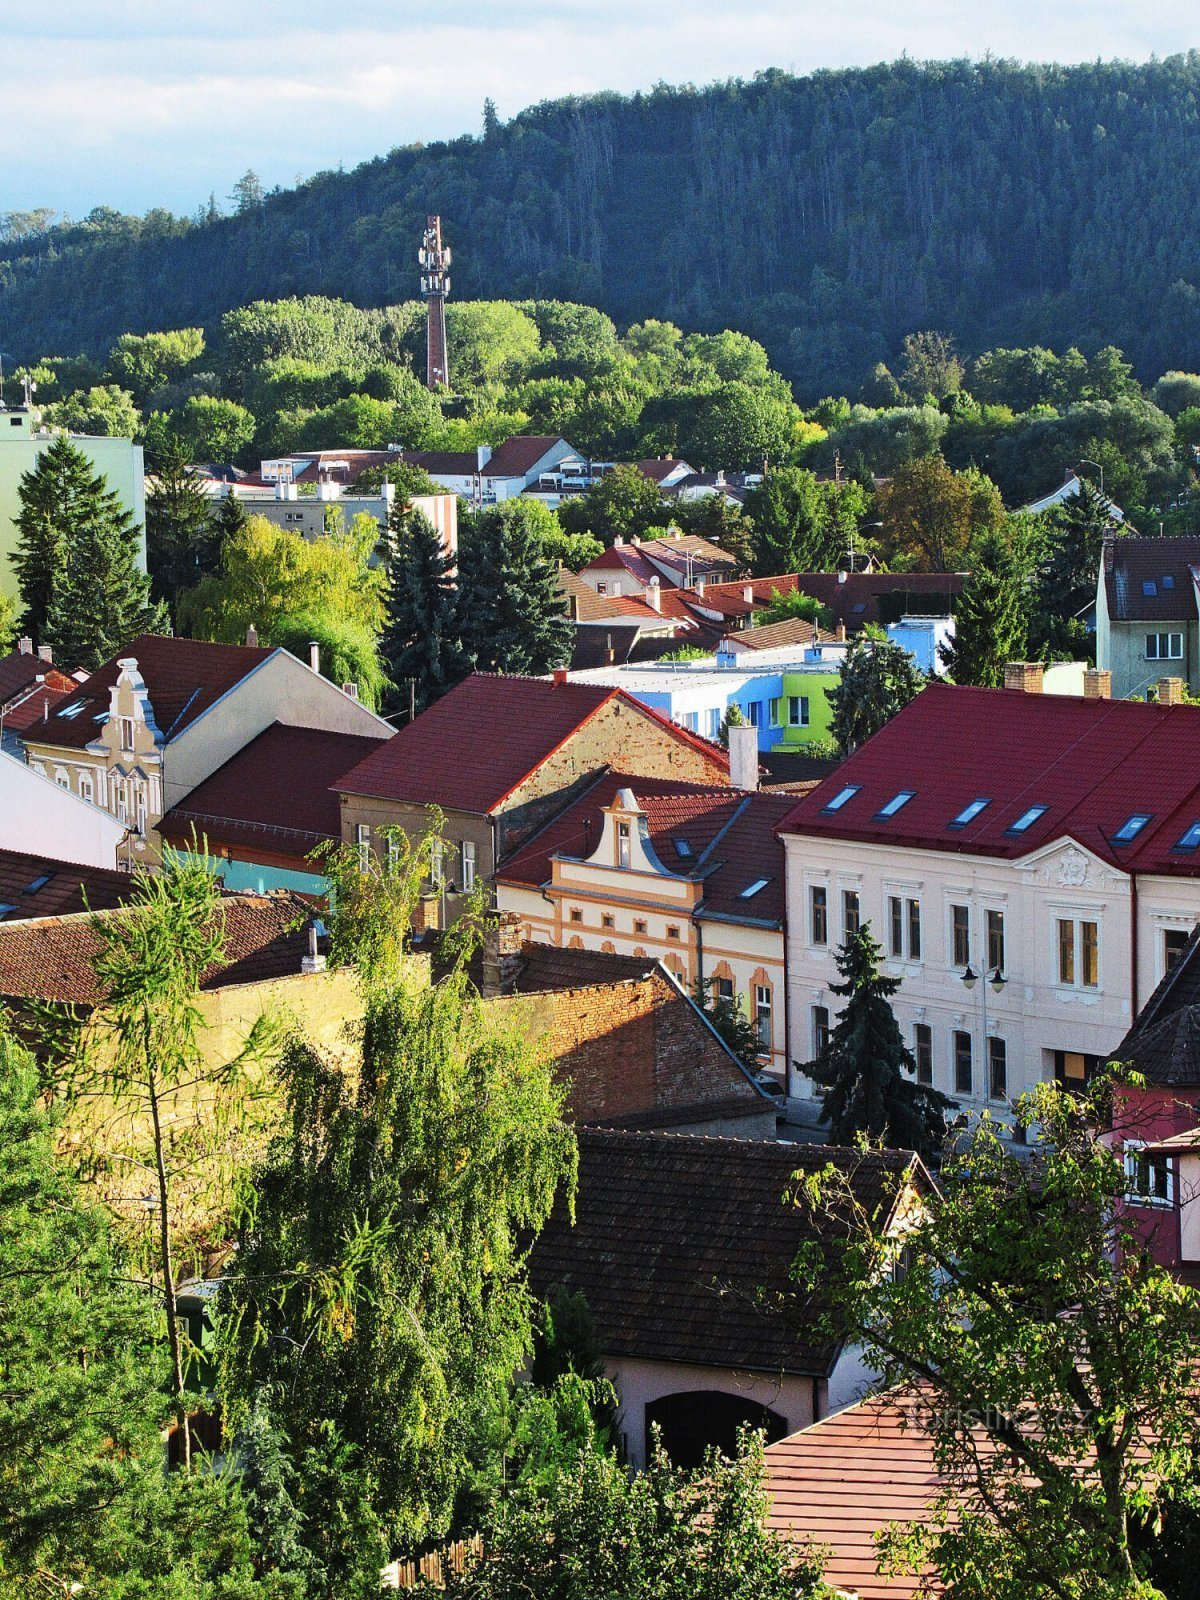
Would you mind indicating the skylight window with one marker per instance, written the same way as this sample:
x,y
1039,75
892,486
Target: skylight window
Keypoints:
x,y
840,798
1191,839
73,710
683,849
5,908
1149,587
859,607
754,888
39,882
1168,580
1027,819
969,813
896,803
1131,827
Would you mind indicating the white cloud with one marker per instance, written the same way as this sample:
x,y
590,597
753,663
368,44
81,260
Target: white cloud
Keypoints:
x,y
135,104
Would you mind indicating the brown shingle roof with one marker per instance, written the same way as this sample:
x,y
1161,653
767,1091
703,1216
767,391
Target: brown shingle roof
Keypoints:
x,y
1164,1042
1151,580
517,457
853,597
39,886
183,678
19,673
792,630
683,1248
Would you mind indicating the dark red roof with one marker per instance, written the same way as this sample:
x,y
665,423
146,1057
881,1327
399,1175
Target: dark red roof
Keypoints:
x,y
1093,764
451,463
683,1247
39,886
656,468
20,671
278,792
517,457
183,678
1151,580
625,558
739,827
852,597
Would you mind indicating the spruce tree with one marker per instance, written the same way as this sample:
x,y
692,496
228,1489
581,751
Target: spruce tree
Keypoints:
x,y
867,1070
422,642
989,625
513,610
183,539
59,496
1074,546
877,679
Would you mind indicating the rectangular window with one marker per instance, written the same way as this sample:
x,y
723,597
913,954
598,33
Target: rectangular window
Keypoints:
x,y
850,912
895,926
87,789
468,865
436,866
818,900
962,1062
820,1031
914,930
998,1069
639,926
776,712
362,838
1164,647
995,942
1089,955
841,798
672,930
714,722
923,1052
896,803
1149,1180
1066,951
960,921
723,990
1174,942
691,721
622,844
754,713
576,914
607,920
797,711
126,733
762,1014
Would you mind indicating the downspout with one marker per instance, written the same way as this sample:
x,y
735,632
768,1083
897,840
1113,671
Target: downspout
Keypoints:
x,y
696,923
1133,947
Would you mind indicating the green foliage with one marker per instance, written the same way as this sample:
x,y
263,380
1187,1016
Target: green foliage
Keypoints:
x,y
621,504
930,366
422,644
867,1070
876,679
800,524
513,613
490,341
213,430
1030,1317
409,480
8,622
183,540
881,442
142,363
105,410
795,603
1073,540
737,426
349,651
1176,391
727,1016
412,419
990,625
376,1310
663,1534
931,514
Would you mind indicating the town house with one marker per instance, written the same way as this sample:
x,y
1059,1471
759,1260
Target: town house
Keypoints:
x,y
1147,617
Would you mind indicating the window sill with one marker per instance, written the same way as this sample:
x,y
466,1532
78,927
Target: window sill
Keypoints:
x,y
1142,1203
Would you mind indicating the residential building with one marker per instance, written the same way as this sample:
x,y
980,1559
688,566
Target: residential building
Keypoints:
x,y
263,814
1147,615
312,515
497,757
683,1249
30,684
1029,864
665,471
484,476
138,735
22,440
44,816
691,875
673,560
43,886
610,629
1066,492
852,599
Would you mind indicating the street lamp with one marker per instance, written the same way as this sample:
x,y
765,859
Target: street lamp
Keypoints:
x,y
995,980
1084,462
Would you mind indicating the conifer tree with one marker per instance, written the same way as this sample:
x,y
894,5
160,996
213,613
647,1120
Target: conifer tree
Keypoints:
x,y
867,1070
513,610
422,642
59,496
1074,544
989,625
877,679
183,539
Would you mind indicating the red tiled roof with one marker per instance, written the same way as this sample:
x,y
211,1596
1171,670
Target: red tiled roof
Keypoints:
x,y
53,958
39,886
593,607
792,630
625,558
278,792
25,711
20,671
183,678
453,463
853,597
683,1248
1151,580
743,826
517,457
1092,763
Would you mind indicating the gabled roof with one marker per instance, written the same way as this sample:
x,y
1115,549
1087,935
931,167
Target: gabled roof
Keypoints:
x,y
1151,580
625,558
39,886
517,457
183,677
448,463
771,635
852,597
739,827
683,1248
277,793
20,671
626,610
1164,1042
658,468
53,958
1093,765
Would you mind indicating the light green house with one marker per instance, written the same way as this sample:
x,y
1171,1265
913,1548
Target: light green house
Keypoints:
x,y
22,440
803,714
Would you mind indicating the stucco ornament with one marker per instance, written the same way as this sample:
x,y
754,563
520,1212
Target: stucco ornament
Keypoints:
x,y
1073,868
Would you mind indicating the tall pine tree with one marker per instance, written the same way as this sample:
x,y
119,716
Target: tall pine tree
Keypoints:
x,y
183,539
990,623
513,609
867,1070
57,496
422,642
1074,544
877,679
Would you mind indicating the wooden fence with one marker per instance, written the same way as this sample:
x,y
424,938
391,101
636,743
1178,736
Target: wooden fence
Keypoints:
x,y
431,1568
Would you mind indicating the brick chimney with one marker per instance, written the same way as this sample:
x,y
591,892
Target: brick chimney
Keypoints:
x,y
840,633
1028,676
1097,684
561,675
654,594
1170,691
46,653
743,756
252,636
501,954
25,646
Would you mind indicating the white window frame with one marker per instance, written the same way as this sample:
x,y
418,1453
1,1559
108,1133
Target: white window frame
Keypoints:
x,y
362,838
764,1024
798,710
1131,1150
1173,652
467,863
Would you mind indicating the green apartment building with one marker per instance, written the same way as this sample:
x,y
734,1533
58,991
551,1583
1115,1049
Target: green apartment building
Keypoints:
x,y
22,440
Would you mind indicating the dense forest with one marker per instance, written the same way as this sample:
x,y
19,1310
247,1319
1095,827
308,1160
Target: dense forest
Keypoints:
x,y
826,216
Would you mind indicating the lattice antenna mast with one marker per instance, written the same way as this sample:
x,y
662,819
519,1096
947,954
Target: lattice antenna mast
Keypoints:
x,y
434,257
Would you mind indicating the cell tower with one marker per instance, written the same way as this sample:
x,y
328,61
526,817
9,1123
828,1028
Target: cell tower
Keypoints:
x,y
434,257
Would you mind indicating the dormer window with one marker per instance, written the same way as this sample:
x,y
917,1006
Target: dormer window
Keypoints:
x,y
1131,827
623,844
1027,819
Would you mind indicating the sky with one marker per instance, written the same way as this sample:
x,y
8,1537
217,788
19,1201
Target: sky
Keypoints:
x,y
140,103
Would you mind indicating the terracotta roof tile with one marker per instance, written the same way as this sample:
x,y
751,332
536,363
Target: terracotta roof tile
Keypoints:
x,y
39,886
792,630
20,671
853,597
518,456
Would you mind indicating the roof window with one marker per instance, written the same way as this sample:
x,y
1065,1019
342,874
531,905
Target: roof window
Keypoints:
x,y
1149,587
896,803
683,849
754,888
1027,819
1131,827
840,798
859,607
73,710
5,908
39,882
969,813
1189,840
1168,580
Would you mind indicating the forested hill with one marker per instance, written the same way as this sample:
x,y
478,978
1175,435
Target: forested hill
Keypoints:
x,y
826,215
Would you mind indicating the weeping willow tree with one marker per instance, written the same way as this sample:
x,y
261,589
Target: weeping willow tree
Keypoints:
x,y
378,1310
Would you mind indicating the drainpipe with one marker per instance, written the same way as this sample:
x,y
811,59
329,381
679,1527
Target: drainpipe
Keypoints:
x,y
1133,947
696,923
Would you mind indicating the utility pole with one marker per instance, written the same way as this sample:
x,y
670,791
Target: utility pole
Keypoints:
x,y
435,286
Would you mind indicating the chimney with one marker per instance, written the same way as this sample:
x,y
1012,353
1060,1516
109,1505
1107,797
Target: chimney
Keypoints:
x,y
841,577
654,594
350,690
501,954
46,653
618,543
840,633
252,636
561,675
748,595
743,756
700,586
1170,691
1097,684
25,646
1028,676
313,961
608,645
314,655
